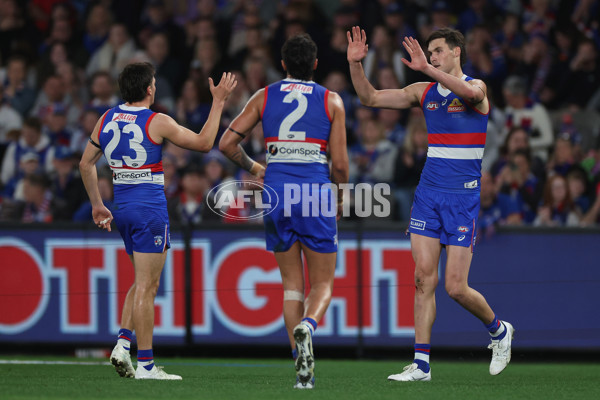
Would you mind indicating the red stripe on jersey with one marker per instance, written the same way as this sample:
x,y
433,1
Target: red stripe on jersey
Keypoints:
x,y
147,132
157,167
321,142
457,138
327,105
425,92
264,101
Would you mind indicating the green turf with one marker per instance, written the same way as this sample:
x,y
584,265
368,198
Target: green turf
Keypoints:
x,y
273,379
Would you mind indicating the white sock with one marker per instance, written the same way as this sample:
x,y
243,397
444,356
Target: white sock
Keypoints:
x,y
124,343
500,330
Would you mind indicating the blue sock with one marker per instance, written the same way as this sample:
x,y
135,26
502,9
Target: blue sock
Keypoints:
x,y
497,329
146,359
422,356
124,338
311,324
295,354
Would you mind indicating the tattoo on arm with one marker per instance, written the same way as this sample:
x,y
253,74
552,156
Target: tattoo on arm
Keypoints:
x,y
241,158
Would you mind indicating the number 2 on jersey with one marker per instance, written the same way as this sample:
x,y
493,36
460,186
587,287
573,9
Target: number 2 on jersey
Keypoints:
x,y
134,143
285,132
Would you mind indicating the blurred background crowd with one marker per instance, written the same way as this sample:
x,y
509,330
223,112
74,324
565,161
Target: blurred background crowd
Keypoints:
x,y
59,61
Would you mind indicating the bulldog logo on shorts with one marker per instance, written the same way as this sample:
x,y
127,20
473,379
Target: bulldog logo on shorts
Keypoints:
x,y
158,240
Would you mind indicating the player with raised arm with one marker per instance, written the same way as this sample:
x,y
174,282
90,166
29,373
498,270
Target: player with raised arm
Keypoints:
x,y
446,202
131,137
300,120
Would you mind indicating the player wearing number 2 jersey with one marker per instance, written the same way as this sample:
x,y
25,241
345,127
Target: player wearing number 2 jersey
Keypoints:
x,y
131,137
300,121
446,203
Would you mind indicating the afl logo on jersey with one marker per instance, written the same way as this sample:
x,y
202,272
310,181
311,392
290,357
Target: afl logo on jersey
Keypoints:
x,y
456,106
272,150
432,105
463,229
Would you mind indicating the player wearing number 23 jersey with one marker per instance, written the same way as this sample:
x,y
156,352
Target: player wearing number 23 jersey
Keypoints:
x,y
138,178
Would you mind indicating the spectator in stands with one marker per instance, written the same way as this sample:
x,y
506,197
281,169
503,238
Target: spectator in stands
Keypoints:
x,y
56,127
523,189
383,52
103,94
158,19
105,186
593,215
97,26
72,81
17,91
191,206
172,180
409,163
578,188
54,95
496,209
214,168
372,158
517,139
168,68
68,192
393,130
13,28
32,140
538,17
563,157
557,208
582,78
510,38
37,205
28,164
114,54
62,31
190,112
337,81
84,129
531,116
9,119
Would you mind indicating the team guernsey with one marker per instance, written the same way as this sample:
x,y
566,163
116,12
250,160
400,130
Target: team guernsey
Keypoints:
x,y
140,206
446,203
296,125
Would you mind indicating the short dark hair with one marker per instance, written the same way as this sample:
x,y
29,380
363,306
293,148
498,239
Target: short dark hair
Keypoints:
x,y
134,80
33,123
453,39
299,54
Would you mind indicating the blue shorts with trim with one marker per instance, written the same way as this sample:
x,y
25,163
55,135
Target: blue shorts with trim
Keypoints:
x,y
450,217
318,232
144,229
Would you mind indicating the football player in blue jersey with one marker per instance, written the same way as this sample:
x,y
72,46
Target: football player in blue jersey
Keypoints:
x,y
131,137
446,202
301,121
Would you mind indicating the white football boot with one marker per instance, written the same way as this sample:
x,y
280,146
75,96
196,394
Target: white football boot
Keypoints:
x,y
305,362
121,359
155,373
411,373
501,350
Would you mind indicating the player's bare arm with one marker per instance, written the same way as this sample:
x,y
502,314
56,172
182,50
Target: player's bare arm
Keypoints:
x,y
241,127
87,166
165,127
337,140
474,91
358,48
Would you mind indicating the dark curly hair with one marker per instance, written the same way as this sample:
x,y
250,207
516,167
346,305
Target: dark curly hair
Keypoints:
x,y
299,54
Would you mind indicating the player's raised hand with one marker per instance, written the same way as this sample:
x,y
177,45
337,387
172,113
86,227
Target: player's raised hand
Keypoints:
x,y
224,88
418,61
357,44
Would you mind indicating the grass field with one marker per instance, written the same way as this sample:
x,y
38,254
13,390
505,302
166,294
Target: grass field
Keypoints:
x,y
273,379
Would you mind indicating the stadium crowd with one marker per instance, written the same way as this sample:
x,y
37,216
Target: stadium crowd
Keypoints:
x,y
59,61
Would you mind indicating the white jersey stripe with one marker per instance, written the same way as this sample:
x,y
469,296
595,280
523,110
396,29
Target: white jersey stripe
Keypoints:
x,y
455,153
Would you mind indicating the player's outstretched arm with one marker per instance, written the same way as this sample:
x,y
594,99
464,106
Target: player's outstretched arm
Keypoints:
x,y
87,166
165,127
338,150
473,91
240,127
368,95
